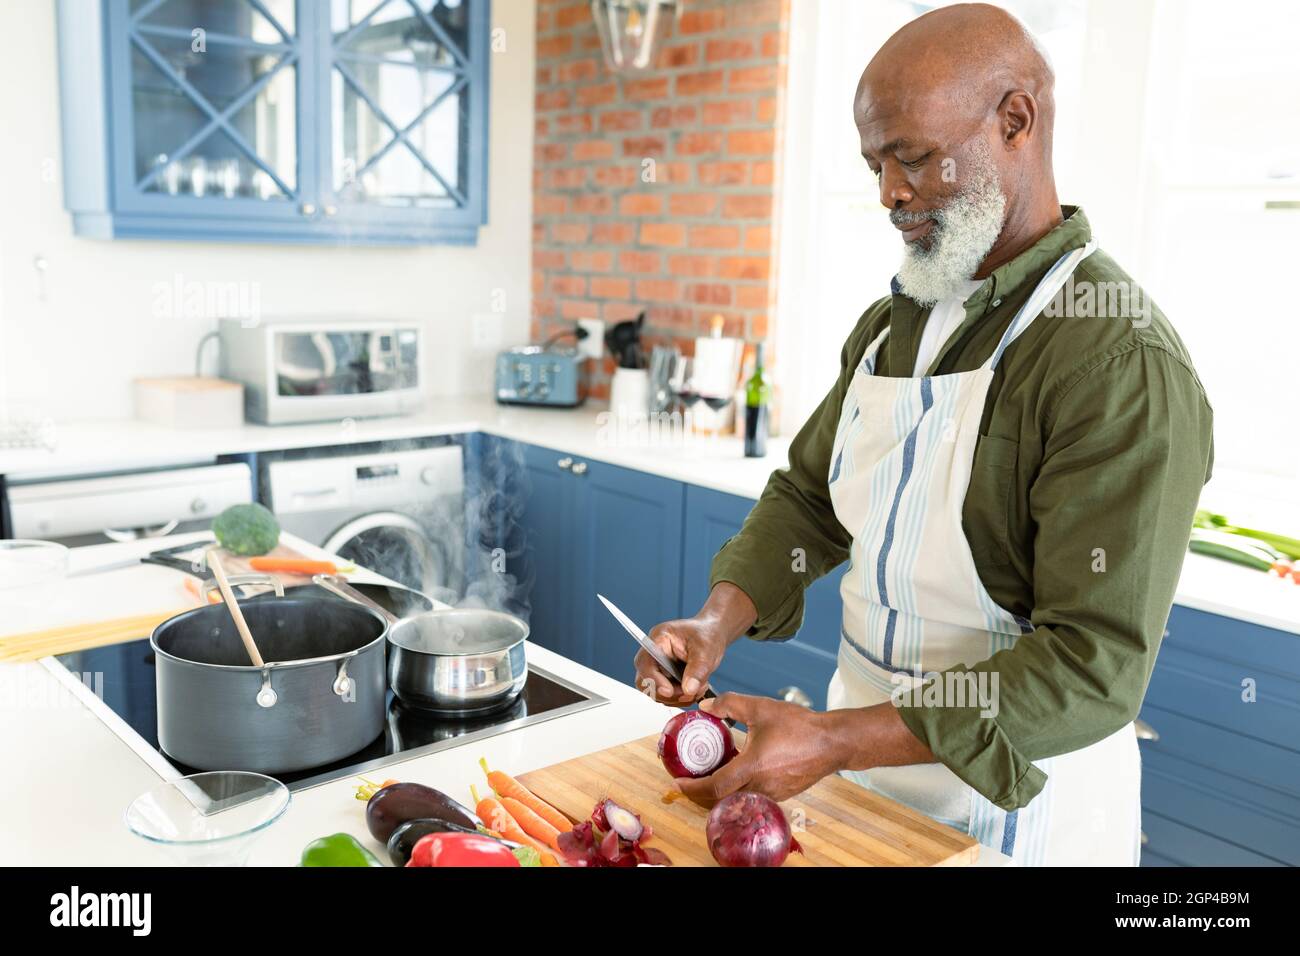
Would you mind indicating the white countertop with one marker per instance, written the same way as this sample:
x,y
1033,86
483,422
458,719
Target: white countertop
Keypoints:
x,y
68,779
589,432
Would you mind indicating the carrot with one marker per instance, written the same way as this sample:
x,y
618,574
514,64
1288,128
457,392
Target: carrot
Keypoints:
x,y
192,585
531,823
304,566
507,786
498,819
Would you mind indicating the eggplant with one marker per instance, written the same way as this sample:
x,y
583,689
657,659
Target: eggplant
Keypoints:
x,y
397,803
407,834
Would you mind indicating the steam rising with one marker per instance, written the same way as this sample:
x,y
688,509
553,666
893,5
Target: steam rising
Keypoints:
x,y
486,531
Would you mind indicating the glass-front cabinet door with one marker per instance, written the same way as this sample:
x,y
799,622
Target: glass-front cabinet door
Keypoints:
x,y
401,82
275,120
210,120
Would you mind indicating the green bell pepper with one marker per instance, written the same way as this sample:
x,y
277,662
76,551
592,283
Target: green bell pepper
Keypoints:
x,y
339,849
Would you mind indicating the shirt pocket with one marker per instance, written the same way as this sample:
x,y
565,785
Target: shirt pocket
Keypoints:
x,y
987,510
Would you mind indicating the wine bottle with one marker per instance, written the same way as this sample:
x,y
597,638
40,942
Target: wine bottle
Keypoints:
x,y
757,396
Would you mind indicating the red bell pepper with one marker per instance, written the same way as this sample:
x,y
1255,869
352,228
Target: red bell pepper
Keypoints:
x,y
460,849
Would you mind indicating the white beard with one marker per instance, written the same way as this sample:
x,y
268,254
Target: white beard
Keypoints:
x,y
964,231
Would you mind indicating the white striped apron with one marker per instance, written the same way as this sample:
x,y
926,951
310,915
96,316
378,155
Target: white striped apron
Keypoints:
x,y
914,605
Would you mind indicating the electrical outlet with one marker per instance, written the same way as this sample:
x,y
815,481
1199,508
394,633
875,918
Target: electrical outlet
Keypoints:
x,y
594,344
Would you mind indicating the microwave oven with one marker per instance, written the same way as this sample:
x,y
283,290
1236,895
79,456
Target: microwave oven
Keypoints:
x,y
322,370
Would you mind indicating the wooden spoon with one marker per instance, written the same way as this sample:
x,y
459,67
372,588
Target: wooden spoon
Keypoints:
x,y
219,575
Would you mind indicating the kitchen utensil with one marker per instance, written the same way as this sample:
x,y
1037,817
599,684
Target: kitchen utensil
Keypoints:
x,y
28,563
453,661
208,819
30,574
458,661
836,822
669,666
392,597
623,339
629,393
340,588
319,697
227,595
660,397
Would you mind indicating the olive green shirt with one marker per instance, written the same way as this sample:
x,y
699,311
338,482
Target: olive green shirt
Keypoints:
x,y
1094,444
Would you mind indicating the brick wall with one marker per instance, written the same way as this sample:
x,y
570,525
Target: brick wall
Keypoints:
x,y
656,191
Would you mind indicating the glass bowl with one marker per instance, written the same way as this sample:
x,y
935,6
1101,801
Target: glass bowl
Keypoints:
x,y
26,562
208,819
30,575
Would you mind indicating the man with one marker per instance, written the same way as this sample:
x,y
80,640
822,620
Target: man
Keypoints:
x,y
1009,459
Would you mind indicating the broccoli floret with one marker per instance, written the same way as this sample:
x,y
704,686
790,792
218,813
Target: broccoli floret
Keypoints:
x,y
246,529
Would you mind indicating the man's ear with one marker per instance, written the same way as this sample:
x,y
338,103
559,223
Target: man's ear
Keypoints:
x,y
1018,116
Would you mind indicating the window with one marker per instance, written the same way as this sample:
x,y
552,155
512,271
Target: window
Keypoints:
x,y
1177,129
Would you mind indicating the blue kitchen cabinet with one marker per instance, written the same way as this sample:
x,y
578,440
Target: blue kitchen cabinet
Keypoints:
x,y
1221,775
597,528
629,537
275,120
548,569
798,667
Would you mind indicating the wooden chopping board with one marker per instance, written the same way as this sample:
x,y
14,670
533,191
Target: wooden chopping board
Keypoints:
x,y
836,822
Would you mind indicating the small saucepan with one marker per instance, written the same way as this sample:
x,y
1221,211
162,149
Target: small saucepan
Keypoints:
x,y
464,660
453,661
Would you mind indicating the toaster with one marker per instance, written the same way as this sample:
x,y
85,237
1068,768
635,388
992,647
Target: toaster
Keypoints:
x,y
532,375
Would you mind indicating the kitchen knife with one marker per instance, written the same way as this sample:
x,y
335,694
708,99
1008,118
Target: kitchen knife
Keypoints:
x,y
669,666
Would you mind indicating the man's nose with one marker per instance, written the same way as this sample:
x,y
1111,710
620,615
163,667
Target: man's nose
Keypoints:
x,y
895,192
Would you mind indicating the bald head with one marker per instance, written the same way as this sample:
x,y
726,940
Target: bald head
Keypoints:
x,y
961,60
956,100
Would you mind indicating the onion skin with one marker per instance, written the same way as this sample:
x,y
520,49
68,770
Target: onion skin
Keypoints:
x,y
695,744
749,829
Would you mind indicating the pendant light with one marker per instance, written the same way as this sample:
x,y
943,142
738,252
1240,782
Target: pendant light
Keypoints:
x,y
631,30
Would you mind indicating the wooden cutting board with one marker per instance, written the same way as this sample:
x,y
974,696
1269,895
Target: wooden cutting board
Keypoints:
x,y
837,822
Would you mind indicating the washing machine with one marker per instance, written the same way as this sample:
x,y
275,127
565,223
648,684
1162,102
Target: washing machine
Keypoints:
x,y
400,512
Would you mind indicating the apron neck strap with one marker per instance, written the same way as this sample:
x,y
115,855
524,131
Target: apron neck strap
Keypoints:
x,y
1047,288
869,357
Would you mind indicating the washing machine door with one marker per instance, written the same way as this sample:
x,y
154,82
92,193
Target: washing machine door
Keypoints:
x,y
396,546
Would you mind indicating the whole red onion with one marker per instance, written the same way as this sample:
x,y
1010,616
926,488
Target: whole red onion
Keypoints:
x,y
694,744
749,829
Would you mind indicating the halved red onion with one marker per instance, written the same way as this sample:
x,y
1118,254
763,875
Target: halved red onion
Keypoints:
x,y
695,744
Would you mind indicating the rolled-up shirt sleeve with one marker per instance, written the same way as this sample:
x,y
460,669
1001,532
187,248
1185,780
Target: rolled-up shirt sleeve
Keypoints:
x,y
792,537
1128,447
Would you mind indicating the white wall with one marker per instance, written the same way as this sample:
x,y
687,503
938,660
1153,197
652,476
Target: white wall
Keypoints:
x,y
69,351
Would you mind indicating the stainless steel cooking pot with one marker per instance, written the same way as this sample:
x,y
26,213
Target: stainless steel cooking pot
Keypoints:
x,y
319,697
458,661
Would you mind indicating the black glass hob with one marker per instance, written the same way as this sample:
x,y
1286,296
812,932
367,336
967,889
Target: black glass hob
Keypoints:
x,y
122,676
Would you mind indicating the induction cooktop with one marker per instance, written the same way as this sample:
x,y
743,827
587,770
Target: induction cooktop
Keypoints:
x,y
117,682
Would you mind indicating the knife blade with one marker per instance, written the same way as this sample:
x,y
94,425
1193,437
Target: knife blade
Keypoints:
x,y
669,666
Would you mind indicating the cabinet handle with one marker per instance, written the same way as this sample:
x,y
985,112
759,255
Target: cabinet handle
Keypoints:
x,y
795,695
580,468
308,209
1144,730
1143,837
564,464
331,210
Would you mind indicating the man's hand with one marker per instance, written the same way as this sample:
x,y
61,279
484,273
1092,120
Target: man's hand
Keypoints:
x,y
789,748
699,642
